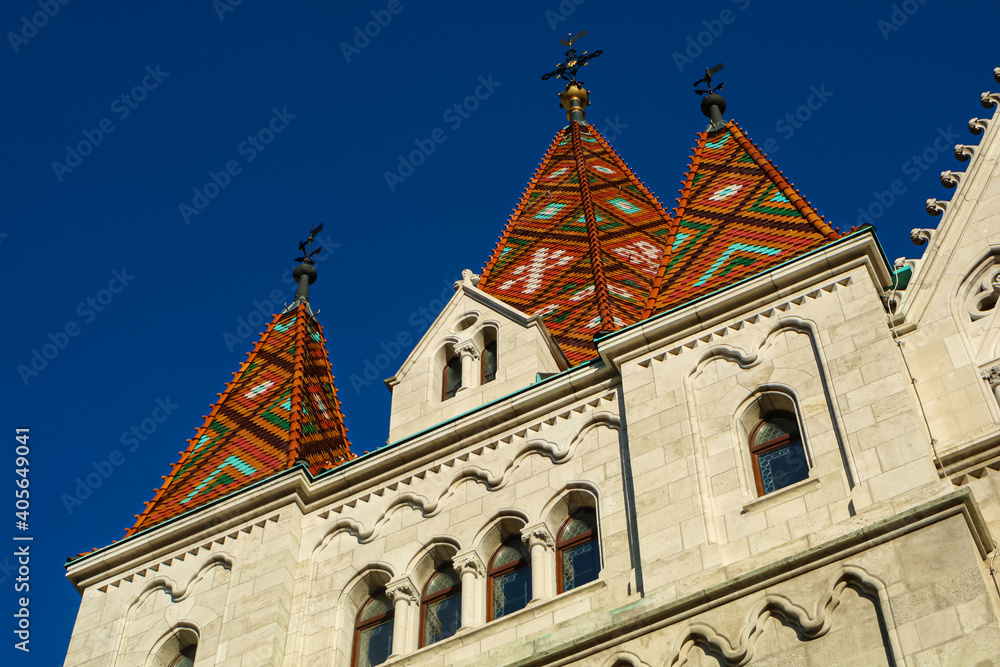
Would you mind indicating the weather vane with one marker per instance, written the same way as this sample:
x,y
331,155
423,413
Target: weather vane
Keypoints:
x,y
568,69
709,73
305,247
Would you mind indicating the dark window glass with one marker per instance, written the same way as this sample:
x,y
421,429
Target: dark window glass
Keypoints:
x,y
490,362
373,632
452,377
509,586
441,606
778,455
186,657
578,558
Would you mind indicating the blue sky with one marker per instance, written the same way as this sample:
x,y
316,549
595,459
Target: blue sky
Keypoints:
x,y
162,163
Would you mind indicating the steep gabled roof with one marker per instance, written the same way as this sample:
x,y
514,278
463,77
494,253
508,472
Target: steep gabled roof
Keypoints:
x,y
281,407
737,216
582,247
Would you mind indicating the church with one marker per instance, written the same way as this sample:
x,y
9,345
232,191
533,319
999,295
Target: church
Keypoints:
x,y
723,434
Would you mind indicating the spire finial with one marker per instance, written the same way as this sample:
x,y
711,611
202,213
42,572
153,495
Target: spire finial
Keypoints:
x,y
712,105
305,273
574,98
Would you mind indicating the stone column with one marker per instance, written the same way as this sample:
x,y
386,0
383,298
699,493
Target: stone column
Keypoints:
x,y
471,569
470,358
403,594
541,543
993,377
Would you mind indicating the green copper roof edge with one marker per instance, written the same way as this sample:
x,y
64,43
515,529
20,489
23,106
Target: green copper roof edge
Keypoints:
x,y
867,229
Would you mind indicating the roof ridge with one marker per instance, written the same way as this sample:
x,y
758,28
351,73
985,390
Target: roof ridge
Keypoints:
x,y
298,373
778,179
525,198
593,236
679,209
186,454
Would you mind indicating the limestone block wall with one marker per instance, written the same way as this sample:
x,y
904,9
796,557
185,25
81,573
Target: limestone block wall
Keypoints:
x,y
829,355
233,593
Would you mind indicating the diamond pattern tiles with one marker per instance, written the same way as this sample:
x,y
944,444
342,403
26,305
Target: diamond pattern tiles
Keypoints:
x,y
582,247
737,216
280,407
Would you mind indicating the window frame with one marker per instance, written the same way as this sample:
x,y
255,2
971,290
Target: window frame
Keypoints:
x,y
489,338
757,449
561,545
425,600
370,623
492,572
444,376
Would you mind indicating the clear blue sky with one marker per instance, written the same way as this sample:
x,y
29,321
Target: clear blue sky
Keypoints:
x,y
144,300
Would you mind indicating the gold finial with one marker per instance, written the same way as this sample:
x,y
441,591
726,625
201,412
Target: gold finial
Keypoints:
x,y
575,98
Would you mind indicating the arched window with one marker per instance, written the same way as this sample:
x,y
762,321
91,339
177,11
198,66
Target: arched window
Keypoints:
x,y
509,587
373,632
577,557
452,375
441,606
186,657
489,358
778,457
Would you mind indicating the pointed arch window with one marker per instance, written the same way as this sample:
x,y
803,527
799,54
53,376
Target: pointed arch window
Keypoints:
x,y
452,376
489,356
779,459
186,657
441,606
509,587
577,557
373,632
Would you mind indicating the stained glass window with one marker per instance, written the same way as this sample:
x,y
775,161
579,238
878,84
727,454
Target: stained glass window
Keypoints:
x,y
373,632
441,606
490,362
778,455
509,579
578,558
452,377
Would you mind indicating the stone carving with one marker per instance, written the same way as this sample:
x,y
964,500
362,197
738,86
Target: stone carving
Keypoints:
x,y
978,125
469,562
983,300
989,100
993,377
950,179
920,236
469,279
935,206
537,534
467,349
401,589
996,74
963,152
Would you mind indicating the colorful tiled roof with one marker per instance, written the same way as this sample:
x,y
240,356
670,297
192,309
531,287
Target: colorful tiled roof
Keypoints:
x,y
737,216
582,247
281,407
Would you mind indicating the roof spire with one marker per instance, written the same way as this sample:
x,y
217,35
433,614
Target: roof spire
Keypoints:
x,y
305,273
574,98
713,105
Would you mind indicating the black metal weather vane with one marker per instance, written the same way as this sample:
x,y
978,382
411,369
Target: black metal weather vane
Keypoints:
x,y
305,247
709,73
567,70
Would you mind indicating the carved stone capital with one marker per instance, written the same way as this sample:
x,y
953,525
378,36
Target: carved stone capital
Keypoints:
x,y
401,589
989,100
920,236
935,206
467,349
963,152
469,561
978,125
950,179
538,534
992,376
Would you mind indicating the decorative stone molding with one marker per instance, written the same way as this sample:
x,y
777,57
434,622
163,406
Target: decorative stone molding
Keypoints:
x,y
469,561
963,152
469,279
467,349
401,589
978,125
935,207
996,74
950,179
538,535
993,377
921,235
989,100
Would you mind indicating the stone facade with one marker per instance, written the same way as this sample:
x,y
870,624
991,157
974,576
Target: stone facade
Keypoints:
x,y
882,555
